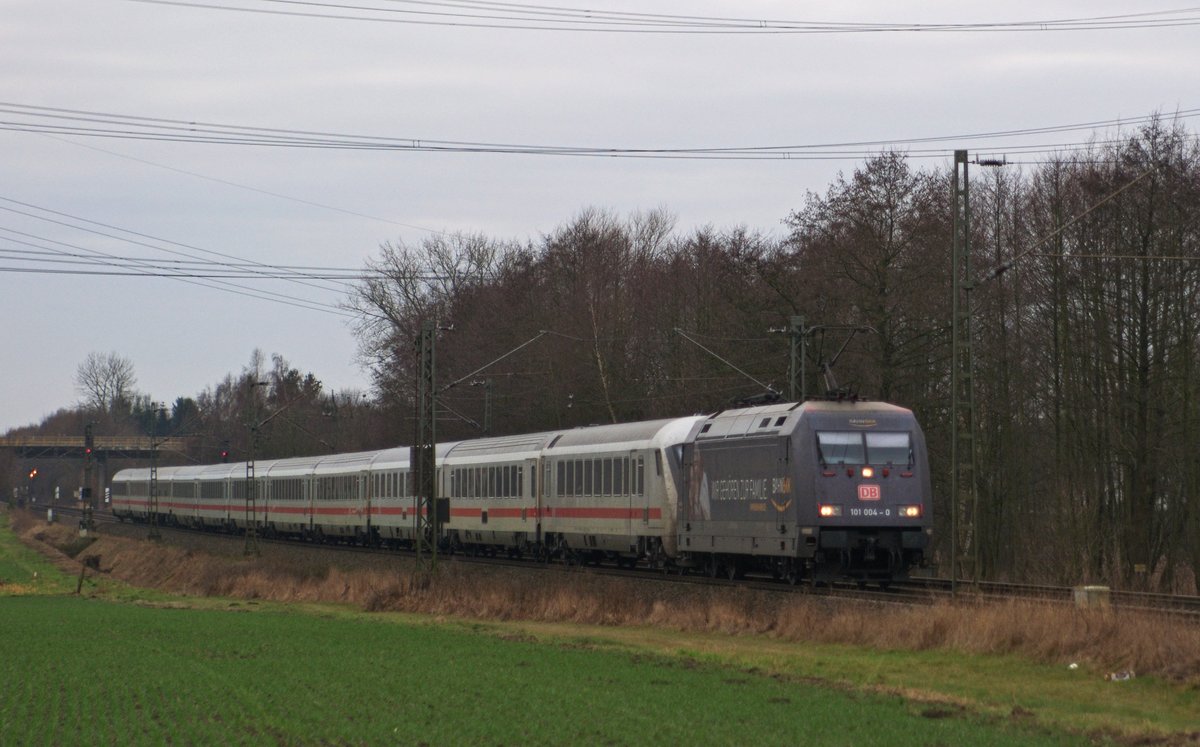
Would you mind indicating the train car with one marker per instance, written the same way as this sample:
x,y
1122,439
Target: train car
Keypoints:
x,y
393,505
818,490
339,497
179,495
285,499
493,492
608,491
130,494
221,496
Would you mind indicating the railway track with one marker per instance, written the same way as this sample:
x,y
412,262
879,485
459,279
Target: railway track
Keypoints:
x,y
916,590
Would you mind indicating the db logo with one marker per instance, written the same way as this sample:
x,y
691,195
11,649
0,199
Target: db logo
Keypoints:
x,y
868,492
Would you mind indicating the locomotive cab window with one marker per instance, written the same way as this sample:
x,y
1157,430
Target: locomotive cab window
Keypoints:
x,y
841,447
853,448
889,448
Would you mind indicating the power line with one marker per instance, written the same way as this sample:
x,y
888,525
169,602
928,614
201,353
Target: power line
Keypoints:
x,y
147,267
297,277
531,17
54,256
248,188
75,122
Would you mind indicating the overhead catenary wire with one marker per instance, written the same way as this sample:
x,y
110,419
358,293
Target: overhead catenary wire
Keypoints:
x,y
140,239
145,266
533,17
82,123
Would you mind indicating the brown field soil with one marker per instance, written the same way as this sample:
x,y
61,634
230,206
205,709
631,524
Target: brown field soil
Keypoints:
x,y
1100,640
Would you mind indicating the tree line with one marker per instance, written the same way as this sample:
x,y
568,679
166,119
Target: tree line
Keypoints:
x,y
1086,359
1086,343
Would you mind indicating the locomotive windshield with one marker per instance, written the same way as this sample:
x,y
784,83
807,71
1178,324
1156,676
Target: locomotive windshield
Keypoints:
x,y
853,447
841,447
889,448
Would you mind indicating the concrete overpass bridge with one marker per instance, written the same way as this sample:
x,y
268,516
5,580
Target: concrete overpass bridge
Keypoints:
x,y
103,447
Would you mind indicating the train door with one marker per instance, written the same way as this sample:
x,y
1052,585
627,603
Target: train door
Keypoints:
x,y
529,495
310,495
639,518
363,513
545,489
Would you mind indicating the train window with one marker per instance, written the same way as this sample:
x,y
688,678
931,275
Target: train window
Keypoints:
x,y
608,484
765,422
641,476
889,448
841,447
587,477
620,469
562,479
577,488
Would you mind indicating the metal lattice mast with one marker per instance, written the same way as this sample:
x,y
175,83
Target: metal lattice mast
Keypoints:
x,y
423,460
85,492
963,492
251,547
153,502
796,371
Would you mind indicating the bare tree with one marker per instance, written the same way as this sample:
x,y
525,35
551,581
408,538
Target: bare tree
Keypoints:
x,y
105,381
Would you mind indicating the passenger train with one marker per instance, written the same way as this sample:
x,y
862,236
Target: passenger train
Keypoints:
x,y
819,490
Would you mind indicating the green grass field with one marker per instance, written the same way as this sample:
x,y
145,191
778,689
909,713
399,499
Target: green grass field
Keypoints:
x,y
121,665
87,671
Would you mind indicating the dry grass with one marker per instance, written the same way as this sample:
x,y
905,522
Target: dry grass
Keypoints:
x,y
1147,643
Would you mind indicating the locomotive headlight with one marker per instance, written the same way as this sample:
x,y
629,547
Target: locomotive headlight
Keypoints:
x,y
910,512
868,472
827,510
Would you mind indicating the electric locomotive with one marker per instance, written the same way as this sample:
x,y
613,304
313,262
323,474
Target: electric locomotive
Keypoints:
x,y
819,490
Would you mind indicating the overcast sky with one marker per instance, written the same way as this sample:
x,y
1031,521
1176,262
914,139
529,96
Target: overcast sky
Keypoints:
x,y
444,79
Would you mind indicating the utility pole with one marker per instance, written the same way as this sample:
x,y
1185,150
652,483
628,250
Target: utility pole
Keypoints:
x,y
798,357
799,365
251,546
964,495
88,523
153,503
423,458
